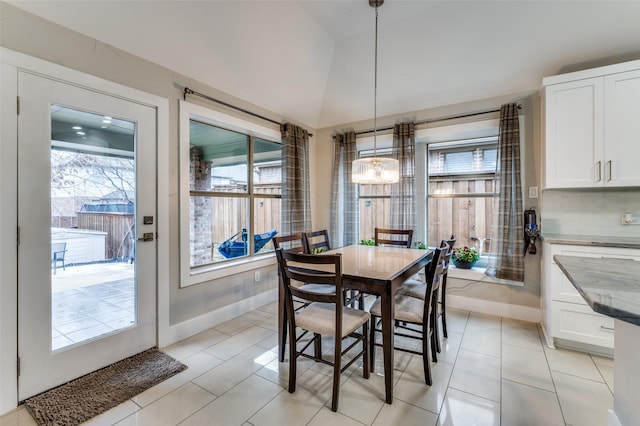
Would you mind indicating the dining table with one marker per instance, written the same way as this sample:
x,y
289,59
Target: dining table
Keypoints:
x,y
379,271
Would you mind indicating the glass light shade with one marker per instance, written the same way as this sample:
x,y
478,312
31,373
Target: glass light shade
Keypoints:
x,y
375,170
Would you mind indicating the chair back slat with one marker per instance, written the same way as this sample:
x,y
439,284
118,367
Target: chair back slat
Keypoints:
x,y
311,269
316,241
393,237
430,279
292,242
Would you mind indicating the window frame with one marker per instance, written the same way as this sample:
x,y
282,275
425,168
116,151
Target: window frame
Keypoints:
x,y
194,275
437,135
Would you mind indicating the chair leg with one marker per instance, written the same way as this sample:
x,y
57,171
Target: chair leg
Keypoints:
x,y
282,327
317,346
293,359
443,305
337,366
372,346
365,348
426,363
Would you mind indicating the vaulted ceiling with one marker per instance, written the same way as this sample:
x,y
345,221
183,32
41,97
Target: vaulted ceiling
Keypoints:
x,y
312,60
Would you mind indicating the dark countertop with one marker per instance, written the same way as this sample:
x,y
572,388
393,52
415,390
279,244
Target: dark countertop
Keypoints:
x,y
592,240
610,286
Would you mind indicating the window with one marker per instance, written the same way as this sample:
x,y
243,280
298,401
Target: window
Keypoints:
x,y
374,202
231,202
461,198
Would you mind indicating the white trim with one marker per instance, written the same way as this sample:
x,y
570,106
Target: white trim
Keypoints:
x,y
477,274
204,322
13,61
471,130
591,72
507,310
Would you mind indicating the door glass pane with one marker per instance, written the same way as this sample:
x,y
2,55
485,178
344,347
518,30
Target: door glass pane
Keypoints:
x,y
93,234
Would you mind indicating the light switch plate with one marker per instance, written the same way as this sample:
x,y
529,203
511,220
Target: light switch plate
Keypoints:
x,y
533,192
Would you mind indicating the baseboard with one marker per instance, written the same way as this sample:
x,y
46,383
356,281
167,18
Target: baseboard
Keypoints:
x,y
612,419
188,328
506,310
547,338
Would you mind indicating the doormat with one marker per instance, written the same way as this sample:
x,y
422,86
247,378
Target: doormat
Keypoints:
x,y
87,396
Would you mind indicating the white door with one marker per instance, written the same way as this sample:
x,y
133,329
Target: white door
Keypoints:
x,y
87,231
622,108
574,128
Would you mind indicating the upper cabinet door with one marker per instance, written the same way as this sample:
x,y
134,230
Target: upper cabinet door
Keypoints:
x,y
622,129
574,134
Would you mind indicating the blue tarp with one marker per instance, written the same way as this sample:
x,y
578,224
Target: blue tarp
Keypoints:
x,y
231,248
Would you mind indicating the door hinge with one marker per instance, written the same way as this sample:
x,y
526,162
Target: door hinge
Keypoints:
x,y
18,104
18,366
18,236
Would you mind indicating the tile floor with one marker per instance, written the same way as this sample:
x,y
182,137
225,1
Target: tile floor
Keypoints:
x,y
83,313
492,371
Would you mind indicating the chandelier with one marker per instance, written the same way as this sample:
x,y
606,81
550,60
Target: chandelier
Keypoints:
x,y
375,170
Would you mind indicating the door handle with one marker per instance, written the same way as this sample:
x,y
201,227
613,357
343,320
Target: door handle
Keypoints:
x,y
609,173
147,236
599,163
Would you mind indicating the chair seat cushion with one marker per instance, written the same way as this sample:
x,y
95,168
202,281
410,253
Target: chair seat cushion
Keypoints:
x,y
416,288
319,288
413,288
320,318
407,308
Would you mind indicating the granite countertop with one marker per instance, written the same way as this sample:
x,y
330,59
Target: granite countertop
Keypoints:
x,y
592,240
610,286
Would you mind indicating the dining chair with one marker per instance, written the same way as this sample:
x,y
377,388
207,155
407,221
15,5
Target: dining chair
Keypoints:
x,y
416,288
393,237
413,318
324,314
293,243
316,241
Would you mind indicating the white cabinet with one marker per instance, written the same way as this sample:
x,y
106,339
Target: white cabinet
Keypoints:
x,y
566,315
622,129
591,127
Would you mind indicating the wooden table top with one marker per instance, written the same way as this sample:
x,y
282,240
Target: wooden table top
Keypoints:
x,y
379,263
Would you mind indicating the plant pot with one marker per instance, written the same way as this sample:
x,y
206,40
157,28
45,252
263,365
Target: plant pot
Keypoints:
x,y
463,264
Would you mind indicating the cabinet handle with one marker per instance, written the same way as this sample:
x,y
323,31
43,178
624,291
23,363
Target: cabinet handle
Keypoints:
x,y
611,329
609,164
599,163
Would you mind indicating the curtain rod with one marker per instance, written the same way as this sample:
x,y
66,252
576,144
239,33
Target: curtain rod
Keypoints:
x,y
188,91
435,120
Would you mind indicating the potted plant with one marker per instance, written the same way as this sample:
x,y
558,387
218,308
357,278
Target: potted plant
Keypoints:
x,y
465,257
368,242
421,246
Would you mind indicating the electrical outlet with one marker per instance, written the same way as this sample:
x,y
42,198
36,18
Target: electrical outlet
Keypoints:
x,y
629,219
256,276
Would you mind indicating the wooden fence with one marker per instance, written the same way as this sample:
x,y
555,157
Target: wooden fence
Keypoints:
x,y
120,229
469,218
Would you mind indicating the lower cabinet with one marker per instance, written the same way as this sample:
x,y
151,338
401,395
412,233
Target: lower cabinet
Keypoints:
x,y
566,315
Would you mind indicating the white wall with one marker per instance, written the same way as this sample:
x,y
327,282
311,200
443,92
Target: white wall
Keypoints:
x,y
187,310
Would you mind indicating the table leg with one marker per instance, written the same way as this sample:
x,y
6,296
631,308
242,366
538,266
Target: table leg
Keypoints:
x,y
387,306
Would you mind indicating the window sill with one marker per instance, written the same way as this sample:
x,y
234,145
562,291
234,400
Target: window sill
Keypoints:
x,y
214,272
477,274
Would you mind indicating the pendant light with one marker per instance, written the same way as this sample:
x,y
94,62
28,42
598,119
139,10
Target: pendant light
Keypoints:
x,y
375,170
